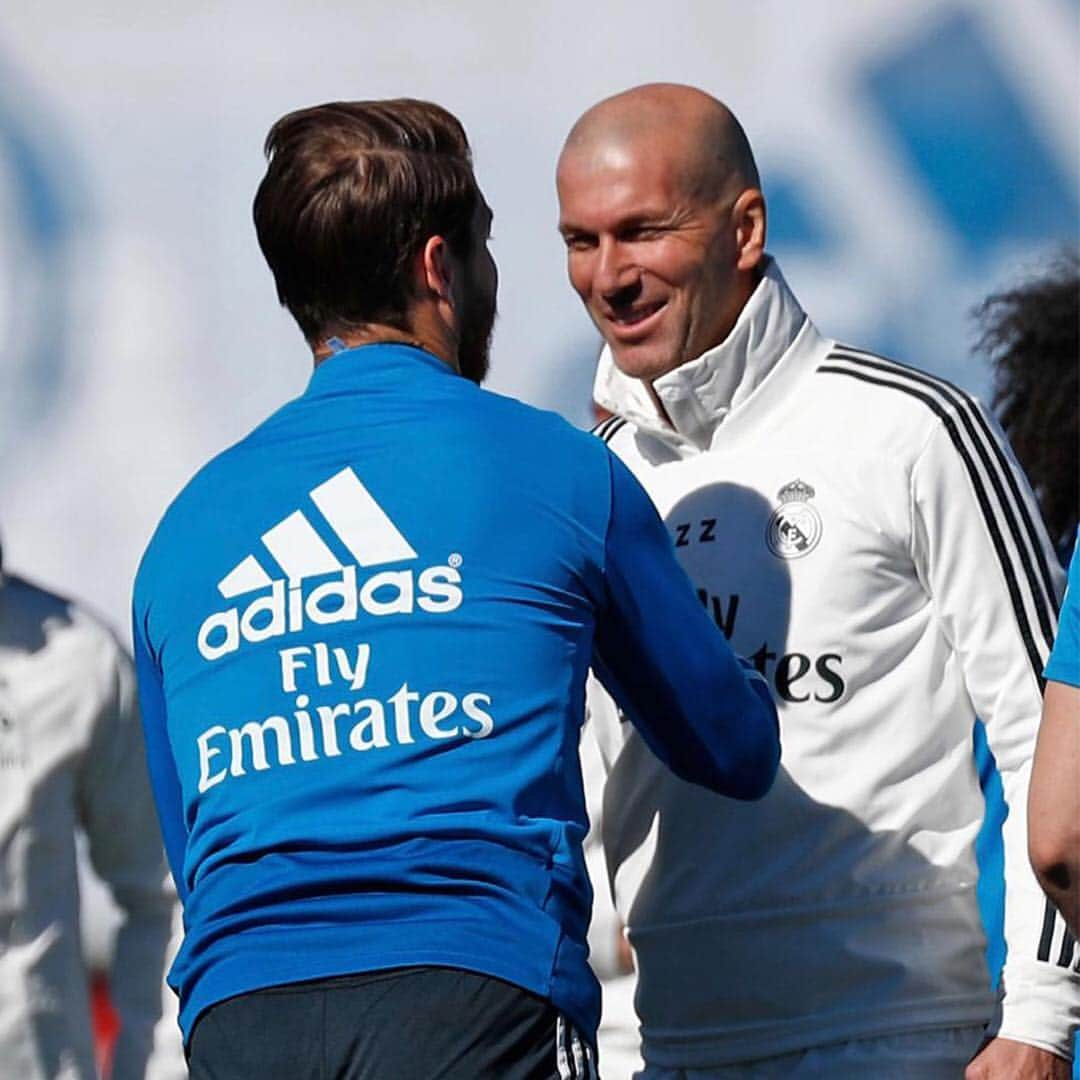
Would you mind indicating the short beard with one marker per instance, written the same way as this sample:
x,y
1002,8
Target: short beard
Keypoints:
x,y
474,346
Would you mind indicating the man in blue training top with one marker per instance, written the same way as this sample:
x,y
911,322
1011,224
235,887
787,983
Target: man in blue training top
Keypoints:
x,y
362,636
1054,795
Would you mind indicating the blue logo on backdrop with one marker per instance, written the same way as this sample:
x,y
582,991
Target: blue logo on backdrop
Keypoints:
x,y
953,109
997,185
794,225
37,218
986,165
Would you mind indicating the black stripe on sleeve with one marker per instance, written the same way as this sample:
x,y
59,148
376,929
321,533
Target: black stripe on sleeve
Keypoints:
x,y
1068,944
971,417
998,541
600,427
616,425
1043,598
1047,937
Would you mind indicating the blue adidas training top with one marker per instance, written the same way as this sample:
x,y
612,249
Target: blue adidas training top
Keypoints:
x,y
1064,663
362,636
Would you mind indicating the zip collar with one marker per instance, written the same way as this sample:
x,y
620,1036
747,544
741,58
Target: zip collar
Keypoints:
x,y
710,392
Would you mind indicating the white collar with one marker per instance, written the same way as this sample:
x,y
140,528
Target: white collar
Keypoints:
x,y
699,394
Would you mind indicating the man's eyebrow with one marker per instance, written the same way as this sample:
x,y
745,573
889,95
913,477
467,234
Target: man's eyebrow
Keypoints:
x,y
637,220
650,216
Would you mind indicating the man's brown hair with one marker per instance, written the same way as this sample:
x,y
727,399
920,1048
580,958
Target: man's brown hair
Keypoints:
x,y
352,192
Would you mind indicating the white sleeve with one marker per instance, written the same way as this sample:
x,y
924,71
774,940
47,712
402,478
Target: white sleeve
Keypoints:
x,y
983,555
117,812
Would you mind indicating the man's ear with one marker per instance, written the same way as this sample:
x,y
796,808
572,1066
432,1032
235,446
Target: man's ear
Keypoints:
x,y
437,268
748,215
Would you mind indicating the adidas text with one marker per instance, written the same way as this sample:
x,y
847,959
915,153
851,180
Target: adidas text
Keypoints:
x,y
288,607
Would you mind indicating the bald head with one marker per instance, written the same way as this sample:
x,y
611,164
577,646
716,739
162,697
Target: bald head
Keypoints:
x,y
697,134
664,223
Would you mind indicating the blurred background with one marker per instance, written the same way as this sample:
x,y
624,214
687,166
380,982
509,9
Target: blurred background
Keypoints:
x,y
915,157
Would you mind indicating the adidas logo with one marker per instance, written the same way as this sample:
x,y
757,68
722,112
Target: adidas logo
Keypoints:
x,y
359,527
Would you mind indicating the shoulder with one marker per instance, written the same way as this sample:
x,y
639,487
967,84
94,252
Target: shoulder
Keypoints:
x,y
530,427
55,629
21,600
629,444
208,495
883,394
608,429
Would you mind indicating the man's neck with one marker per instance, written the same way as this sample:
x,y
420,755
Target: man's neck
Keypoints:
x,y
748,284
418,336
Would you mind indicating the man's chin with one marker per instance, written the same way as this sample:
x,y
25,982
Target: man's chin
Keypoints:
x,y
474,363
645,362
474,347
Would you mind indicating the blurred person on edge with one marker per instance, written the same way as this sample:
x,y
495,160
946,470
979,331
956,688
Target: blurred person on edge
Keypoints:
x,y
1054,806
72,761
861,530
362,637
1031,334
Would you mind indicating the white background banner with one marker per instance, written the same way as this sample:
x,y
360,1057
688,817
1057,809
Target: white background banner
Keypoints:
x,y
915,157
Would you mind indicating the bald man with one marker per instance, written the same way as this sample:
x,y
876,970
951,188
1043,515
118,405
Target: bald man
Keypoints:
x,y
862,532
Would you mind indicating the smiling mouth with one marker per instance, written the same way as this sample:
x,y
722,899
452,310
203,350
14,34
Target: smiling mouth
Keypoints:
x,y
629,319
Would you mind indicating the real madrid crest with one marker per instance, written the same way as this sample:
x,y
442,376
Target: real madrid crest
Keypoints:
x,y
795,526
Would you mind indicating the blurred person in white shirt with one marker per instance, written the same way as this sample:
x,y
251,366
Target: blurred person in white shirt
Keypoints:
x,y
71,764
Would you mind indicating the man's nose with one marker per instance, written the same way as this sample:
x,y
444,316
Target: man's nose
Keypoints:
x,y
615,272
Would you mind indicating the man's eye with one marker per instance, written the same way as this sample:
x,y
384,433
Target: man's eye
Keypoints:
x,y
575,242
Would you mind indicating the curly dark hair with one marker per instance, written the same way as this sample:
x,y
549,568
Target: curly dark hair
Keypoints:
x,y
1031,335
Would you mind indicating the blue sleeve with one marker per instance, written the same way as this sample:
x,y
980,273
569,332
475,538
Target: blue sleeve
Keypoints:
x,y
706,714
159,758
1064,663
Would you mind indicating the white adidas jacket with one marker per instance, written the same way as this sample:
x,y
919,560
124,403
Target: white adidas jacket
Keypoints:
x,y
859,530
71,756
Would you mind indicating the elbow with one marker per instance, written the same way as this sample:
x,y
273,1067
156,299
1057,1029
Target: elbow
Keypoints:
x,y
1055,858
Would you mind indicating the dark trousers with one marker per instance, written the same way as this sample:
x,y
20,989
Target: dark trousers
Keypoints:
x,y
424,1023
